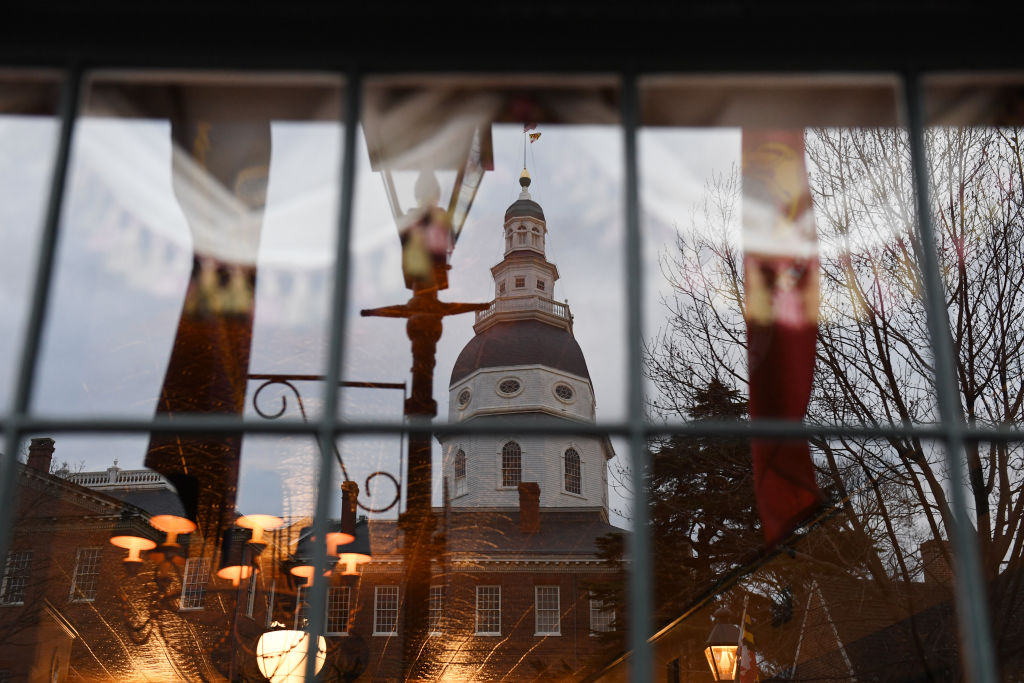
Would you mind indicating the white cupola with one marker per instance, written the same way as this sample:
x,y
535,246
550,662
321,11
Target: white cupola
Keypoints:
x,y
524,362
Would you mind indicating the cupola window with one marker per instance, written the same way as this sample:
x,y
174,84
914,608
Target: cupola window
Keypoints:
x,y
459,466
511,464
509,387
501,287
541,285
564,392
520,282
573,474
464,397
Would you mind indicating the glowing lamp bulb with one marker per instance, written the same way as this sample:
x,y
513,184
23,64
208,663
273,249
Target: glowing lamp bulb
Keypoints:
x,y
259,524
281,655
134,545
336,538
349,562
173,526
236,573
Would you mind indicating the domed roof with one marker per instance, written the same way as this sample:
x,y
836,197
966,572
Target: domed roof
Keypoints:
x,y
524,208
521,342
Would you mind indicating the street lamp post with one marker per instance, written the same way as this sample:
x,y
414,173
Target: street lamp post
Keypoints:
x,y
428,235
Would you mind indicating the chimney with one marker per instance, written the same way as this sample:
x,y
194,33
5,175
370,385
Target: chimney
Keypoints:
x,y
935,556
40,454
529,507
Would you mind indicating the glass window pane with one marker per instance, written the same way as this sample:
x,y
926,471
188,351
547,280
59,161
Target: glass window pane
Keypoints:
x,y
859,589
196,245
440,182
784,265
162,578
28,136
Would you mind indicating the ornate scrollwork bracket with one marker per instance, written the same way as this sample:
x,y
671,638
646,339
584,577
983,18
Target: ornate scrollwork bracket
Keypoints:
x,y
275,411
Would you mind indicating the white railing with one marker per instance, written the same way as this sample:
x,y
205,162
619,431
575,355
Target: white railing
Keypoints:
x,y
115,477
525,303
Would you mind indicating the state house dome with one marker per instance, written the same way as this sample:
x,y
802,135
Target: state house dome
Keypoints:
x,y
524,207
521,342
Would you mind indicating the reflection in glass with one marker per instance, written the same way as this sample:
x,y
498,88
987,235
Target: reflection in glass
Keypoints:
x,y
195,245
101,563
28,135
872,361
863,591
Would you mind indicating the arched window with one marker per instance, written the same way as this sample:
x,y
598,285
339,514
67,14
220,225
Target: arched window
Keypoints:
x,y
573,476
460,472
511,464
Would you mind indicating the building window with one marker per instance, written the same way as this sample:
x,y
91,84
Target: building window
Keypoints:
x,y
464,396
541,285
436,609
672,671
520,282
501,287
573,474
194,581
460,472
385,610
534,240
602,617
548,613
337,610
87,572
488,610
250,596
15,577
511,464
521,238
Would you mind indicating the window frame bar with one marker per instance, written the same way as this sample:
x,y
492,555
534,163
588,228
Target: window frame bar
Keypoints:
x,y
978,655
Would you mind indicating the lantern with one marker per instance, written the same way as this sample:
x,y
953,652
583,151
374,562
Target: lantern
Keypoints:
x,y
722,648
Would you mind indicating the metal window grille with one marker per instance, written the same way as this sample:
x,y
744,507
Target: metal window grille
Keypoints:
x,y
602,618
87,573
981,663
511,464
194,581
488,610
460,472
573,473
436,610
16,572
385,610
547,610
337,609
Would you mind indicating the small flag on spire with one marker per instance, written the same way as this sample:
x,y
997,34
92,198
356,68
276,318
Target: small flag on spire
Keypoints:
x,y
748,663
529,126
534,137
